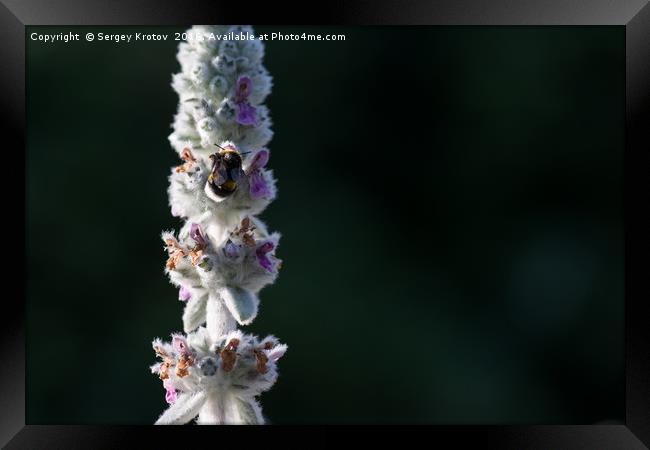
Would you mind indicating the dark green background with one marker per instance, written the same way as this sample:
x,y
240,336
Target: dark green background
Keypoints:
x,y
450,201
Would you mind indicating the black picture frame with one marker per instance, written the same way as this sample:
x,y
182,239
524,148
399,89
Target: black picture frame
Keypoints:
x,y
15,15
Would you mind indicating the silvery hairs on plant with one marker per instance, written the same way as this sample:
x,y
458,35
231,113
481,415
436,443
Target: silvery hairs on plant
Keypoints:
x,y
223,255
216,381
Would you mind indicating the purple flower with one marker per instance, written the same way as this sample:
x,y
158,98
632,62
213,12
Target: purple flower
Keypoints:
x,y
277,352
184,294
262,257
170,395
231,250
243,88
180,345
195,234
258,186
246,113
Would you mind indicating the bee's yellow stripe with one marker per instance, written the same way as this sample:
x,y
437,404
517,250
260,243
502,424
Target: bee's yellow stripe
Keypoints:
x,y
229,185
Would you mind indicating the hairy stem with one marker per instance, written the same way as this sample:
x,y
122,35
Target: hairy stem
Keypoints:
x,y
213,411
227,409
219,321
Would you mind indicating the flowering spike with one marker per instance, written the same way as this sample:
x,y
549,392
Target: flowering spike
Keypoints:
x,y
223,255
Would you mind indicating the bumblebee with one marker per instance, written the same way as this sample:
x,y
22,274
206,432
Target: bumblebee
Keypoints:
x,y
226,171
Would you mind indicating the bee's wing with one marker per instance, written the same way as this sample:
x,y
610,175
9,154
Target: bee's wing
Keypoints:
x,y
236,174
222,175
219,174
